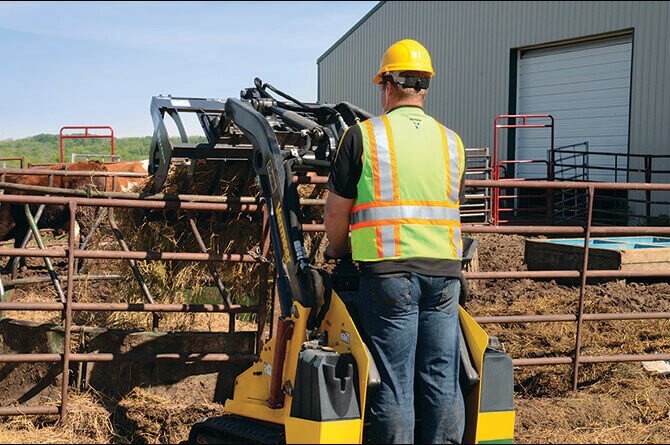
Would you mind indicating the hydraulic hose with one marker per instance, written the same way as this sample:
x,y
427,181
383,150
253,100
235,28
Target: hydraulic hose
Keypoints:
x,y
285,96
295,120
284,333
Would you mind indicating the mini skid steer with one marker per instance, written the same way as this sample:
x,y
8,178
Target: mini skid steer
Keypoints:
x,y
313,380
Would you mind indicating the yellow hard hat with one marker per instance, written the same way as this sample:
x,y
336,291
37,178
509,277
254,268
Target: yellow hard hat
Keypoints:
x,y
405,55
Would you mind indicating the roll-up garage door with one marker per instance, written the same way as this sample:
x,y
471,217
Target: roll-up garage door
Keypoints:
x,y
586,88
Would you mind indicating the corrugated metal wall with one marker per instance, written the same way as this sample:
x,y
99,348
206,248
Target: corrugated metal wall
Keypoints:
x,y
471,43
586,89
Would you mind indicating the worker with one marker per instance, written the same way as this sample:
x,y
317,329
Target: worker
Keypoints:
x,y
397,180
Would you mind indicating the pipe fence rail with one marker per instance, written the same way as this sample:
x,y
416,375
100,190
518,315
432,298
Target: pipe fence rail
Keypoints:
x,y
195,203
20,159
72,253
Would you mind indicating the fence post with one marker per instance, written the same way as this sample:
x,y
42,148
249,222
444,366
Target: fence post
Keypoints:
x,y
68,313
647,179
582,290
549,193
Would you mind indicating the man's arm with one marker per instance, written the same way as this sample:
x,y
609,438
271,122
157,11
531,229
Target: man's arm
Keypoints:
x,y
338,214
342,191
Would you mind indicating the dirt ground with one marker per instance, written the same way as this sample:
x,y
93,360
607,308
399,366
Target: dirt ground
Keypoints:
x,y
615,403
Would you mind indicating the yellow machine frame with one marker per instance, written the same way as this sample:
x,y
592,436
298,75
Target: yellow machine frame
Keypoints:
x,y
252,388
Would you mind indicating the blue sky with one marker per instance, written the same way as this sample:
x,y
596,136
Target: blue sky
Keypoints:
x,y
99,63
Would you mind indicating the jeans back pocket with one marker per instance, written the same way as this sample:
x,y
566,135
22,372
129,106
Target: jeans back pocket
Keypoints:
x,y
390,294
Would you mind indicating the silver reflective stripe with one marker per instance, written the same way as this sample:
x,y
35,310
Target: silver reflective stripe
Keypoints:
x,y
388,241
457,241
383,159
453,164
406,212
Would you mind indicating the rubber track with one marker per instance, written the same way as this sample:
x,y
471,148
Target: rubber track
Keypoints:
x,y
234,429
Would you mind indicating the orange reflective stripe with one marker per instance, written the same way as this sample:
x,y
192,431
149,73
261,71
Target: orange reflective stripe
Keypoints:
x,y
445,150
379,242
394,169
452,244
407,202
397,239
373,159
415,221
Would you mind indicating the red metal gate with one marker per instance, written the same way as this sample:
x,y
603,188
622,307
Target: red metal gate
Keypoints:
x,y
86,135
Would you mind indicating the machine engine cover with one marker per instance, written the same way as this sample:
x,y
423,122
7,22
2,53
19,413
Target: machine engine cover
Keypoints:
x,y
325,386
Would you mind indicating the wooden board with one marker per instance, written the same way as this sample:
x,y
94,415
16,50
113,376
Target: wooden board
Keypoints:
x,y
641,256
543,255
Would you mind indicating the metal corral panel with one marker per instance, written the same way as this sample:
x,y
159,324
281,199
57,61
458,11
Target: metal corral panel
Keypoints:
x,y
475,46
586,88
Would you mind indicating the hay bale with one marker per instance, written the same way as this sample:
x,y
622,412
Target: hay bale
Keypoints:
x,y
222,233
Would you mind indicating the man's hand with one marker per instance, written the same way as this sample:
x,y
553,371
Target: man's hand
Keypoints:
x,y
330,253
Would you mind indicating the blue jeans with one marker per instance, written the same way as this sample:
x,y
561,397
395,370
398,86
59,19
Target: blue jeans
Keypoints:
x,y
410,324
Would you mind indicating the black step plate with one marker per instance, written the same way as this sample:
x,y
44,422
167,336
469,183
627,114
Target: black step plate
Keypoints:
x,y
231,429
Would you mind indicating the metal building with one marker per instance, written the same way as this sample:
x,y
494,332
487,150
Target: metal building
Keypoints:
x,y
601,69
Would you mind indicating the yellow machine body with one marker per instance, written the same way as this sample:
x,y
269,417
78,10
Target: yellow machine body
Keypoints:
x,y
482,426
252,387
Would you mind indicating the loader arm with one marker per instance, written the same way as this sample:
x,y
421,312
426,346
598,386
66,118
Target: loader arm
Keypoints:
x,y
273,167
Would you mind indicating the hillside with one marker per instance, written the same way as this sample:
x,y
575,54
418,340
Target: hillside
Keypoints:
x,y
43,148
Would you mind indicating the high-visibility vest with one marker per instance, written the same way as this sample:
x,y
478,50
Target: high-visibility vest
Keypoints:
x,y
408,194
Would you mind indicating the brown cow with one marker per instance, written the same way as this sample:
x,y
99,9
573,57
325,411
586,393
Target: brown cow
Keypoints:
x,y
127,184
13,220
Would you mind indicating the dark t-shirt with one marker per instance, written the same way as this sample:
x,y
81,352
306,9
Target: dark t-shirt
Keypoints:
x,y
343,181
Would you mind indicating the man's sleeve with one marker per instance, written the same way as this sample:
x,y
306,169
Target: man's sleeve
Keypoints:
x,y
348,164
